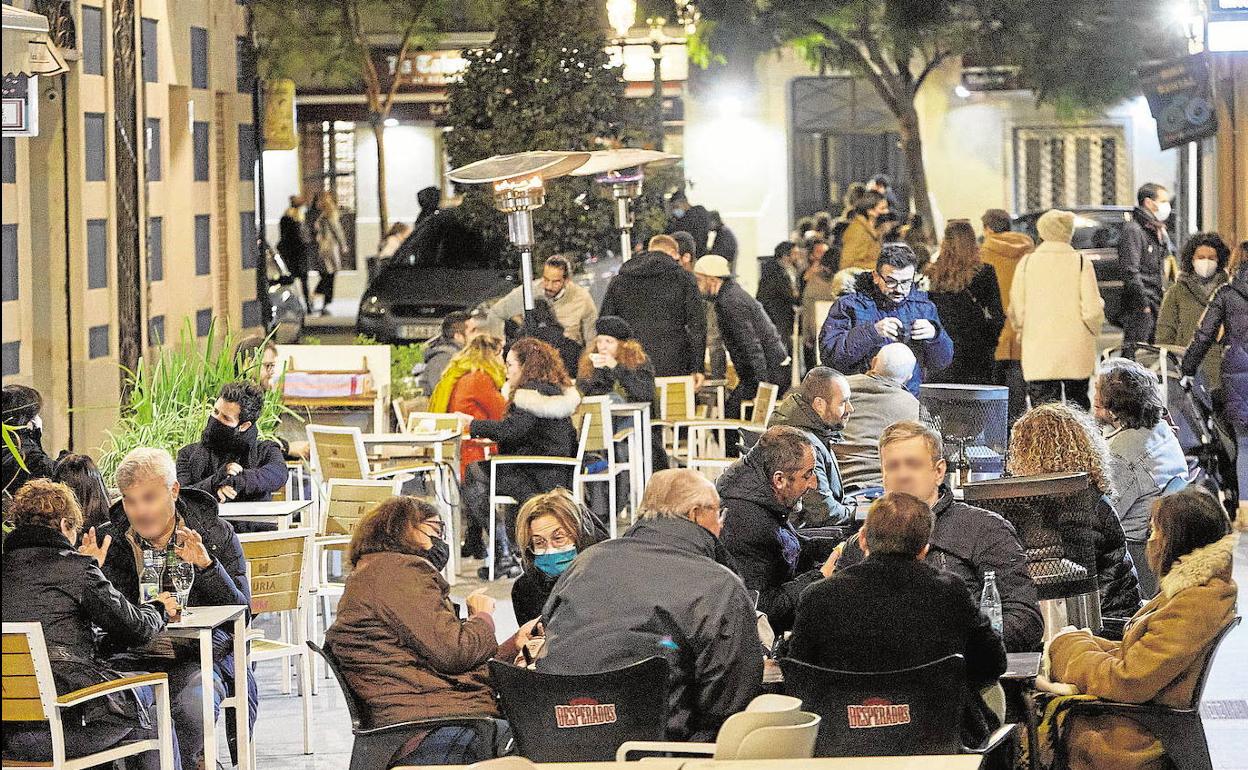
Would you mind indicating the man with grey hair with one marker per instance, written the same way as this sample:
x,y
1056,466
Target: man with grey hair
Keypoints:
x,y
157,517
762,492
880,399
819,408
658,590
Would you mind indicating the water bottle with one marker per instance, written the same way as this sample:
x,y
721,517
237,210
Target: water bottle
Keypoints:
x,y
149,580
990,601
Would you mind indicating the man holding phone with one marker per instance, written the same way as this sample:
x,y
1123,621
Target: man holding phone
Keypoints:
x,y
886,308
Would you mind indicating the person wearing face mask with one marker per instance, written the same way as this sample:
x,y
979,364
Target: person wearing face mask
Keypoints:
x,y
401,644
1203,264
820,407
1142,251
229,461
551,528
695,220
21,407
762,492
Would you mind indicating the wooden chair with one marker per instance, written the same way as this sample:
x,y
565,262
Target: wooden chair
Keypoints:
x,y
677,400
594,417
30,696
279,569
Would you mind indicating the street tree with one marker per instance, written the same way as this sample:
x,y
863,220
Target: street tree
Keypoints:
x,y
1075,54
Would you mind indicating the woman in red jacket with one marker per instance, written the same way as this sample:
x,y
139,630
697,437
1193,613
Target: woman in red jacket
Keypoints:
x,y
473,380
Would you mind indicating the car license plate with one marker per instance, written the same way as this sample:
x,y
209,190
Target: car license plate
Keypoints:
x,y
417,331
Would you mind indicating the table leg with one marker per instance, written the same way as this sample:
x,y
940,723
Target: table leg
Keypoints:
x,y
444,503
208,691
242,716
647,448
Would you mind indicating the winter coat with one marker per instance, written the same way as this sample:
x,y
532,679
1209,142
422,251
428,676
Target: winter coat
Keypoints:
x,y
764,546
530,592
1003,251
634,597
849,340
752,342
697,222
292,243
1181,308
969,541
824,505
538,421
574,309
860,244
878,403
438,353
1227,316
779,295
493,371
46,581
403,649
1144,461
1141,257
1057,309
661,302
631,379
264,468
38,464
1164,649
724,244
973,318
476,394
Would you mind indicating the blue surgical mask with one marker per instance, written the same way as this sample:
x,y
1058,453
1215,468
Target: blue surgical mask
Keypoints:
x,y
555,560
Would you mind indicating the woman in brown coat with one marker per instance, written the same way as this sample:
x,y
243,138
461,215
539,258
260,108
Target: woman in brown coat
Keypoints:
x,y
403,649
1165,646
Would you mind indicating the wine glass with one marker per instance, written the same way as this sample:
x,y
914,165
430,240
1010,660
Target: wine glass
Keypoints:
x,y
183,578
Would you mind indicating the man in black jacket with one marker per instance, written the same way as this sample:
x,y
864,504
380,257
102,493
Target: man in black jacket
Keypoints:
x,y
177,524
1142,250
780,291
894,610
724,242
658,590
966,541
761,491
661,302
694,220
229,461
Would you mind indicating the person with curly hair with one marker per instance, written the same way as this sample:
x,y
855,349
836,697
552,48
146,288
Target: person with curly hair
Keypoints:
x,y
1060,438
538,421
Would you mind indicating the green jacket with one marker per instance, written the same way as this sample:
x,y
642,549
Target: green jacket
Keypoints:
x,y
1181,308
823,506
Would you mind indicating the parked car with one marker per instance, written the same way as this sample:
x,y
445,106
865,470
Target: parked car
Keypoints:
x,y
1097,230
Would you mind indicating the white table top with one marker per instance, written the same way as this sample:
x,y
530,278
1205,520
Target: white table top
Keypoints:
x,y
269,508
943,762
432,437
201,618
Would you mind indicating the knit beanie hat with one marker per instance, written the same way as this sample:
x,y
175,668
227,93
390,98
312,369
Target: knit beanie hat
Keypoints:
x,y
1056,225
614,326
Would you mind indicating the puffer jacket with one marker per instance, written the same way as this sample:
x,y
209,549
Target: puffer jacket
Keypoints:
x,y
1163,651
824,505
538,421
764,546
1004,251
46,581
660,301
1181,308
849,340
1227,319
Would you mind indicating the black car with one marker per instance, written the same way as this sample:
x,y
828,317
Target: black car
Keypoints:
x,y
1097,230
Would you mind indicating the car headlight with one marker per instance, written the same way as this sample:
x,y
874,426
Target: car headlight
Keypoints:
x,y
372,307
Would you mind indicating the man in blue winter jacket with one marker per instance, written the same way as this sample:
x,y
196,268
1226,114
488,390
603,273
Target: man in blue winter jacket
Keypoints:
x,y
884,308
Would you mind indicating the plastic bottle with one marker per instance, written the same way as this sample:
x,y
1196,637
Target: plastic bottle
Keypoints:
x,y
990,601
149,580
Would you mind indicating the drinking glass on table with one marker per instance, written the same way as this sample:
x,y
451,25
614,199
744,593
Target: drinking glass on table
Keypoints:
x,y
183,579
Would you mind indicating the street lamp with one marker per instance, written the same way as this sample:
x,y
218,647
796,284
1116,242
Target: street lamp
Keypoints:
x,y
621,172
519,185
657,38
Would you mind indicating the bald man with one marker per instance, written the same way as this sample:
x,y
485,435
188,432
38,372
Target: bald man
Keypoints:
x,y
880,399
659,590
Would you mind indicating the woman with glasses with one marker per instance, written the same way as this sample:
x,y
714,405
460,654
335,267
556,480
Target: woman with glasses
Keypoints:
x,y
551,529
400,642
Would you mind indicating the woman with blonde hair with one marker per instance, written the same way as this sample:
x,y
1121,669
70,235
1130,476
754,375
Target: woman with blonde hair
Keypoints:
x,y
1059,438
551,529
473,380
968,299
331,243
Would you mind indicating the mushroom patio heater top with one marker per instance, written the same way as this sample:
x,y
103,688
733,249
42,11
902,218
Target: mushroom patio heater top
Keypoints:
x,y
622,172
519,186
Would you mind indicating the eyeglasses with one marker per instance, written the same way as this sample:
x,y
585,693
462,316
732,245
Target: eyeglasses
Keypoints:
x,y
893,283
558,539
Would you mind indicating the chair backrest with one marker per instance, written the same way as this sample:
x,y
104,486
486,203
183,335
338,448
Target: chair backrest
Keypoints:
x,y
795,739
337,453
28,687
582,717
676,397
355,707
764,403
348,501
278,568
427,422
595,412
764,711
1203,679
909,711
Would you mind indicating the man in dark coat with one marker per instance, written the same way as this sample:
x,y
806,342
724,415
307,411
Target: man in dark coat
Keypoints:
x,y
966,541
750,338
894,610
724,242
761,492
21,406
819,408
661,302
779,290
229,461
695,220
156,514
658,590
884,308
1142,250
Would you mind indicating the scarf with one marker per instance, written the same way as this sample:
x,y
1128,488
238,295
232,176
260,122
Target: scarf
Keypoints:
x,y
440,399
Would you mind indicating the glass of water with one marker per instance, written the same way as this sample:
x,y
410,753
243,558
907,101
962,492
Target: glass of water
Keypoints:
x,y
183,579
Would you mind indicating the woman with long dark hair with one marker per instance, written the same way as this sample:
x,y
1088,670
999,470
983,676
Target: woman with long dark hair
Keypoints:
x,y
78,472
968,299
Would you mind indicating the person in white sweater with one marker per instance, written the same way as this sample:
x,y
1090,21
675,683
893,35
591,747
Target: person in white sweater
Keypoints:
x,y
1057,309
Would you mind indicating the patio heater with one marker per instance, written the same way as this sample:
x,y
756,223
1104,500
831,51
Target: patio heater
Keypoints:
x,y
519,186
621,172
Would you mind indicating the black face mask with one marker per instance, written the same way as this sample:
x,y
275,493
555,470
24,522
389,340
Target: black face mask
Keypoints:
x,y
438,554
218,435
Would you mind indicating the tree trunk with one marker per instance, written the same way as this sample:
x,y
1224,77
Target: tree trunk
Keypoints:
x,y
912,149
383,211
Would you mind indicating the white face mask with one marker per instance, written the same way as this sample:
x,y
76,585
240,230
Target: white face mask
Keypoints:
x,y
1163,211
1204,267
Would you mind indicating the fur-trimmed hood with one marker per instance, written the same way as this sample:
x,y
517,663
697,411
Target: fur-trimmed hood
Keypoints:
x,y
542,400
1200,566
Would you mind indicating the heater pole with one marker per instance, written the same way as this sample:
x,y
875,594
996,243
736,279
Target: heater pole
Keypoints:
x,y
520,230
624,219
